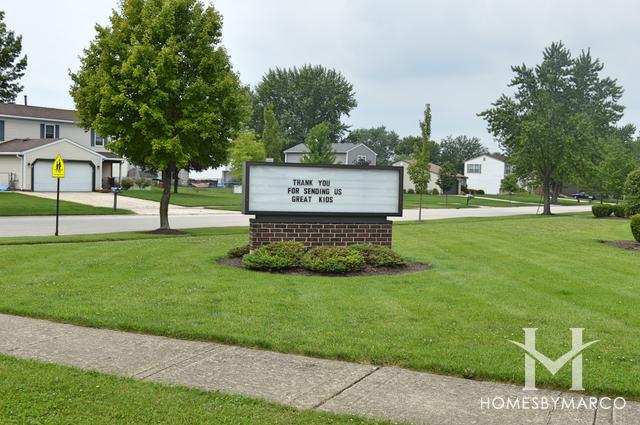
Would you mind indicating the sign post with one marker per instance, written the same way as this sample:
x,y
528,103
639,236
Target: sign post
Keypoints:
x,y
57,172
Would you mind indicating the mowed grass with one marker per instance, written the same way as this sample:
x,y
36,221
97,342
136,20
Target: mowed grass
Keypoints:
x,y
490,279
532,199
215,198
33,393
225,199
18,204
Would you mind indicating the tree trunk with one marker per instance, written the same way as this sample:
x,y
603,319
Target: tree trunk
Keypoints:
x,y
420,209
546,188
557,187
166,195
176,180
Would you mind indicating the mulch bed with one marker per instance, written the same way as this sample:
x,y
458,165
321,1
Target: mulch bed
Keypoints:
x,y
167,232
630,245
367,271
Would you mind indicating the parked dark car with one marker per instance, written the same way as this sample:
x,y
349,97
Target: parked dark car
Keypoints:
x,y
583,195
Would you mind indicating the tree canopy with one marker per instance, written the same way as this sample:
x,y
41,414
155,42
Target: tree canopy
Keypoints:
x,y
457,150
303,98
12,66
245,147
158,80
319,148
272,136
553,126
382,141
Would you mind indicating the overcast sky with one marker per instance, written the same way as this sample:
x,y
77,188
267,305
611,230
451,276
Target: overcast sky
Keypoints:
x,y
399,55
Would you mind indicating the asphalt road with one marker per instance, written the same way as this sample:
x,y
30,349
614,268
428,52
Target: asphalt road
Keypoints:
x,y
69,225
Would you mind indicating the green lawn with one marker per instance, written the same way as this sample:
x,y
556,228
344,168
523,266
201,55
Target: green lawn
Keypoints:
x,y
216,198
490,278
225,199
14,204
33,393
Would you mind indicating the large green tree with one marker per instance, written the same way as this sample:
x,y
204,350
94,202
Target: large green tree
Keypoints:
x,y
552,127
319,148
272,135
12,66
420,171
447,179
158,80
303,98
456,150
245,147
382,141
409,145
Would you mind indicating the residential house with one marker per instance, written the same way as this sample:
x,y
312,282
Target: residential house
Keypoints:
x,y
434,171
346,153
486,172
32,136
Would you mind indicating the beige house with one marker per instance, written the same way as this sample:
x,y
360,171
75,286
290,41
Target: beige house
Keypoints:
x,y
346,153
30,139
434,171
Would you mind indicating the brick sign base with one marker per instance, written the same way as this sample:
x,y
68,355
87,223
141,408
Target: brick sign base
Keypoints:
x,y
318,234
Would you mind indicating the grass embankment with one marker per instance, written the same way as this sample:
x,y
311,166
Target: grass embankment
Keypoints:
x,y
18,204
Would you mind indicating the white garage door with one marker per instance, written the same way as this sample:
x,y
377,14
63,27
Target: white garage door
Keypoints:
x,y
78,177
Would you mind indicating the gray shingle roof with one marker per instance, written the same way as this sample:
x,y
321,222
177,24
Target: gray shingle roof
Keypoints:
x,y
337,147
21,145
38,112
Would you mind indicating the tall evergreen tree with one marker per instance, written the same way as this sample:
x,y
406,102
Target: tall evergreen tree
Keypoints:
x,y
12,67
319,148
272,137
553,126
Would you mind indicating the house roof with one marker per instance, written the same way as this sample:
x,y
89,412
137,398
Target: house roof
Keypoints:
x,y
110,155
21,145
434,168
496,156
38,112
337,147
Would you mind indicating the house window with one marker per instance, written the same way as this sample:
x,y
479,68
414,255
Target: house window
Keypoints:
x,y
49,131
100,140
96,139
474,168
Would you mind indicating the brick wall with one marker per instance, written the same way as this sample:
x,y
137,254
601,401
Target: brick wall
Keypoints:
x,y
316,234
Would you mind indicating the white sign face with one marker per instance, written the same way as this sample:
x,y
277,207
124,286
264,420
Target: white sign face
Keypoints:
x,y
310,189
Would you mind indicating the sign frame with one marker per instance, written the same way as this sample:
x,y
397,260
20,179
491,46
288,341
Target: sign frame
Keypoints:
x,y
247,178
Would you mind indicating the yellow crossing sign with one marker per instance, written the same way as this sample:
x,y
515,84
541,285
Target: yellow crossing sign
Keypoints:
x,y
57,169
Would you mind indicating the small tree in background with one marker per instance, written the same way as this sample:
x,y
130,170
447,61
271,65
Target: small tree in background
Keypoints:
x,y
11,66
509,184
319,148
245,148
447,178
419,171
272,137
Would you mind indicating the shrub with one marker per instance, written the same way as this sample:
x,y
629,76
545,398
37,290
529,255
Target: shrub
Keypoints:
x,y
464,190
275,256
239,251
632,206
333,259
126,184
143,183
601,210
618,210
635,227
479,192
379,256
434,191
411,191
632,184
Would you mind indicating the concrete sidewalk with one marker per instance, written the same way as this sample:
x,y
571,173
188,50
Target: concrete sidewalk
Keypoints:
x,y
303,382
138,206
73,225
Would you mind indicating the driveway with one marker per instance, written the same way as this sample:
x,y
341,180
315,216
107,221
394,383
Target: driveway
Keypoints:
x,y
70,225
138,206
